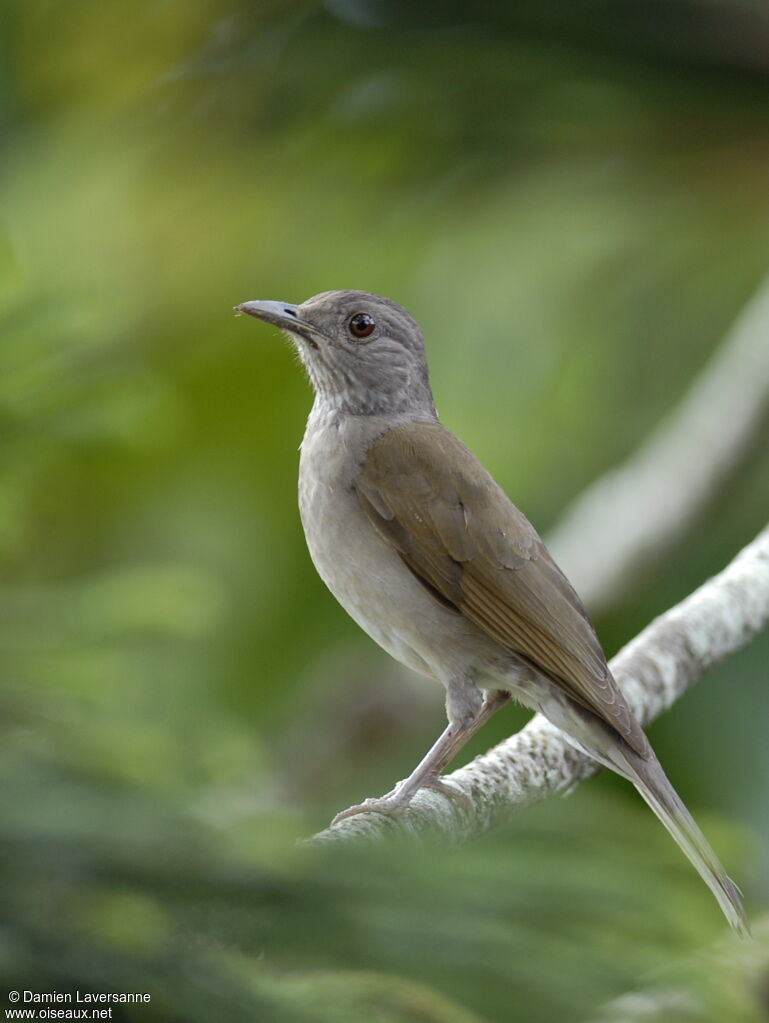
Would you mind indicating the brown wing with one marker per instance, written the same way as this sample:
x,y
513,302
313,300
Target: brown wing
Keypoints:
x,y
461,536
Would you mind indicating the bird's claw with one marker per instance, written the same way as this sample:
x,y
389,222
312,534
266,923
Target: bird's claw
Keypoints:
x,y
400,798
387,805
452,792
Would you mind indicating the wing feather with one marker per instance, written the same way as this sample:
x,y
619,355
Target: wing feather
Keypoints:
x,y
459,534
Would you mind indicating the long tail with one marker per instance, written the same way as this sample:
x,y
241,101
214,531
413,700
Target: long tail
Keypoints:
x,y
650,780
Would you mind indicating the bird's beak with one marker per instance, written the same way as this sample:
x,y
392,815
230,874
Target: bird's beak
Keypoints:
x,y
281,314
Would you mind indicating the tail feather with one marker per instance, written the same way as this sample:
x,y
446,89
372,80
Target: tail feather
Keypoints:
x,y
650,780
600,741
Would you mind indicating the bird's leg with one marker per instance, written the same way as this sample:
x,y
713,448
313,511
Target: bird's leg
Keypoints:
x,y
427,772
491,704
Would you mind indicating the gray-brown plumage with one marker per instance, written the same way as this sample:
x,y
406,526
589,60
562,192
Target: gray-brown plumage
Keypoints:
x,y
455,529
427,553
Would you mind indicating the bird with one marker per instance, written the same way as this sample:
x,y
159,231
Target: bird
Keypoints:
x,y
427,553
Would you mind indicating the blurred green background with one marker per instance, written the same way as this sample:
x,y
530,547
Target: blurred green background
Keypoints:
x,y
573,200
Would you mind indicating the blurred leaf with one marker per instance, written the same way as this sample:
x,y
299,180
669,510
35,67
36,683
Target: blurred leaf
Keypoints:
x,y
572,199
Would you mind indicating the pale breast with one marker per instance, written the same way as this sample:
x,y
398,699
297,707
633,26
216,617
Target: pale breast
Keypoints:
x,y
364,573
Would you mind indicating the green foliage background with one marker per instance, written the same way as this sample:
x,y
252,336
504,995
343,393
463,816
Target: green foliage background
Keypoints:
x,y
572,199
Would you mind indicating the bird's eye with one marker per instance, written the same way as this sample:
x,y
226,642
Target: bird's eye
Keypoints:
x,y
362,325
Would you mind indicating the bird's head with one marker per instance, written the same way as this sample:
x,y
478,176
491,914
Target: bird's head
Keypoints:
x,y
364,354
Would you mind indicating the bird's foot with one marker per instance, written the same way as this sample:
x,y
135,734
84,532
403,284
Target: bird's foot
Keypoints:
x,y
400,798
452,792
388,805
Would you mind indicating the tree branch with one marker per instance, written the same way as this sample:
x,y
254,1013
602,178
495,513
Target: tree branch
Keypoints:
x,y
634,512
653,670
